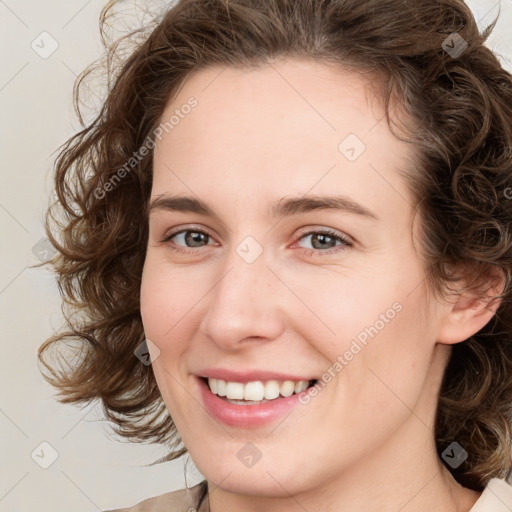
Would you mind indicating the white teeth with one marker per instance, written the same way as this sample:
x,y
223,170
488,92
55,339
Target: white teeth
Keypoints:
x,y
256,391
287,388
221,387
301,386
253,391
234,390
271,389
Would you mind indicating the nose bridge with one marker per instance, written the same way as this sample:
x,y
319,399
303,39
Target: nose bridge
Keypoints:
x,y
246,275
241,304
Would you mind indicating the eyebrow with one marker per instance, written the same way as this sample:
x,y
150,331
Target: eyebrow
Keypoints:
x,y
284,208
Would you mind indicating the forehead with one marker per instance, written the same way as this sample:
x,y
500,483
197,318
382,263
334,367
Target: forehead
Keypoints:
x,y
291,126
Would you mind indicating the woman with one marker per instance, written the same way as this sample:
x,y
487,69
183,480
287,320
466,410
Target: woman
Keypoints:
x,y
298,211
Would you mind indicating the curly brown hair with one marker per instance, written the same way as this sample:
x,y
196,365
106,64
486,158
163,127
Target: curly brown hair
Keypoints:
x,y
459,101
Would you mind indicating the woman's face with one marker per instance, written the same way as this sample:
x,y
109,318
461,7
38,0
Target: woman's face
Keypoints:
x,y
264,294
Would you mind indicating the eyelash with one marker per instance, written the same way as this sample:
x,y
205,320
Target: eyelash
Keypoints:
x,y
345,242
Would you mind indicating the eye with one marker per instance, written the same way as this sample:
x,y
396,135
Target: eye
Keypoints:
x,y
325,239
187,238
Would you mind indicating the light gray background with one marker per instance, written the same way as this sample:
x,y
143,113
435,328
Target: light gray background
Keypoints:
x,y
93,471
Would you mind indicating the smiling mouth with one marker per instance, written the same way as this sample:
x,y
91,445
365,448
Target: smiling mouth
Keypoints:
x,y
256,392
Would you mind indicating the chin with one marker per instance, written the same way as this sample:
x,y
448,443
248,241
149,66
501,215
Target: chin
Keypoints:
x,y
259,484
265,478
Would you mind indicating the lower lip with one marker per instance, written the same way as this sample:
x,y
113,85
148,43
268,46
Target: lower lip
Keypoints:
x,y
246,415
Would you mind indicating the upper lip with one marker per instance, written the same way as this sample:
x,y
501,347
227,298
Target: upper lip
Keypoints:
x,y
249,375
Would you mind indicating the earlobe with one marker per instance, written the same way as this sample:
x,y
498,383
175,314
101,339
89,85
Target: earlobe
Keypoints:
x,y
470,313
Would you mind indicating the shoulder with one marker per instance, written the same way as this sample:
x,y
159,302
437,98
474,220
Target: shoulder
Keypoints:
x,y
496,497
181,500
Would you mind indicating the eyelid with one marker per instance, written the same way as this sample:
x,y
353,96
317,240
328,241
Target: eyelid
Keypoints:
x,y
303,232
183,229
329,231
345,241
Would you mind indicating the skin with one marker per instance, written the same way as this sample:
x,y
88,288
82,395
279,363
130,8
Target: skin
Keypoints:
x,y
366,440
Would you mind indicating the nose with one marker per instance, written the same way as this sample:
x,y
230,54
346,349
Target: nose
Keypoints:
x,y
245,304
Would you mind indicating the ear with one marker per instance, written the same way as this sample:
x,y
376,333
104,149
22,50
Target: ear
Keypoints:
x,y
468,312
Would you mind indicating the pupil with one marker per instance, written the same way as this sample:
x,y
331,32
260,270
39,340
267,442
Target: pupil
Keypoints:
x,y
193,236
322,238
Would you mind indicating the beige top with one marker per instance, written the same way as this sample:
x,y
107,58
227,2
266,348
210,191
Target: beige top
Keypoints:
x,y
183,500
496,497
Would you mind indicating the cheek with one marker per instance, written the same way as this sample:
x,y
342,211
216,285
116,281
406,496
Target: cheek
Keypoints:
x,y
159,307
382,342
338,314
148,291
393,367
166,302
